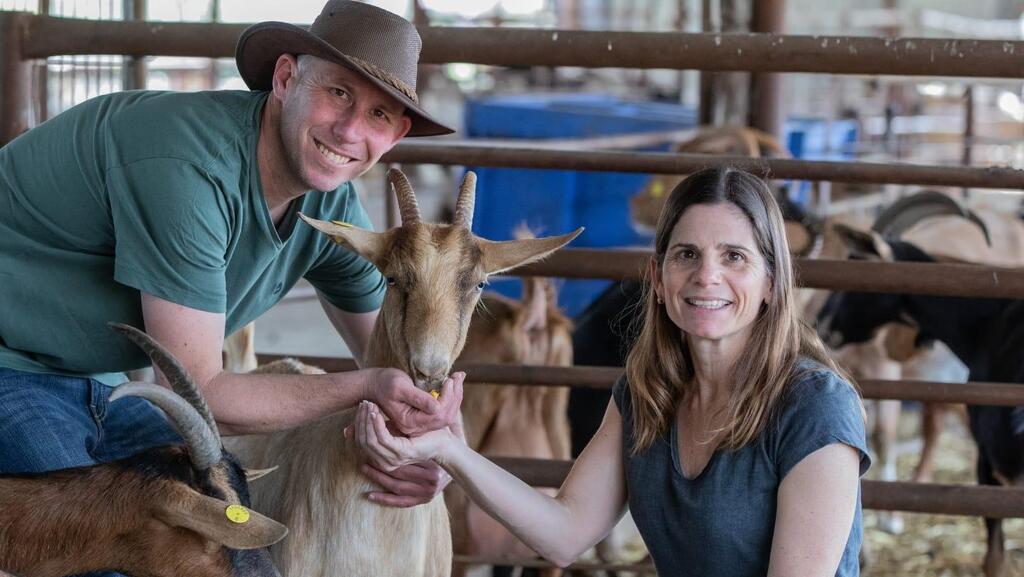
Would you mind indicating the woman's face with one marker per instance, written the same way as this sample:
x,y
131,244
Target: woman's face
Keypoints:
x,y
713,281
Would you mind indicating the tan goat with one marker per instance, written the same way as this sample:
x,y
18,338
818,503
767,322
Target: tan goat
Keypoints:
x,y
512,421
435,275
161,513
645,207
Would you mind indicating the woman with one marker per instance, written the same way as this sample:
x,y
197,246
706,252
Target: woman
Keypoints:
x,y
733,439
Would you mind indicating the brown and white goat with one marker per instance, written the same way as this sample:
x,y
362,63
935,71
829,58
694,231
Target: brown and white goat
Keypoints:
x,y
512,421
435,275
161,513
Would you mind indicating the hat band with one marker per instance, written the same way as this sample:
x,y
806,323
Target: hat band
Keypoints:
x,y
385,76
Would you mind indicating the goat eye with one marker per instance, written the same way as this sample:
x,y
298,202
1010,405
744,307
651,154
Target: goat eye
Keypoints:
x,y
480,286
390,280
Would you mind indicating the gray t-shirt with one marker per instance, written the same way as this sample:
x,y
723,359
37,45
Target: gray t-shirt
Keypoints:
x,y
721,523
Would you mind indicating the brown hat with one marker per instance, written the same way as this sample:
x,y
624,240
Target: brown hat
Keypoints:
x,y
382,47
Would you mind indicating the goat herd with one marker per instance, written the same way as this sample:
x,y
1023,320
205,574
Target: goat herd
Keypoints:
x,y
162,512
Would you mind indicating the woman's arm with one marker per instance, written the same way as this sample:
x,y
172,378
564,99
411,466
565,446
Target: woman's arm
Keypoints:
x,y
560,528
816,504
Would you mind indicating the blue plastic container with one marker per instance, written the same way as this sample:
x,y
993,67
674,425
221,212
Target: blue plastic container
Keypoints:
x,y
817,139
554,202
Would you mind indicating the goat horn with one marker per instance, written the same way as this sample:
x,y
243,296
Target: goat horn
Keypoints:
x,y
176,374
467,199
203,444
912,209
407,205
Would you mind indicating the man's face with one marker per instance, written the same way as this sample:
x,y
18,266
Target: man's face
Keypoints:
x,y
335,125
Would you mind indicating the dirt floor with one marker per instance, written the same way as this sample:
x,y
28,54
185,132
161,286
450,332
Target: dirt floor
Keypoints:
x,y
938,545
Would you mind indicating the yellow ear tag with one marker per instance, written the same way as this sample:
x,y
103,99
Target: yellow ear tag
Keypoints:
x,y
435,393
657,188
237,514
344,224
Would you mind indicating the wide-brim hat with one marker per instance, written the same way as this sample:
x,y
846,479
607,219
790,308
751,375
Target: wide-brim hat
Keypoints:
x,y
378,45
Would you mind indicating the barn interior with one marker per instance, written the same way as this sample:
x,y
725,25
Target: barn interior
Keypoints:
x,y
586,112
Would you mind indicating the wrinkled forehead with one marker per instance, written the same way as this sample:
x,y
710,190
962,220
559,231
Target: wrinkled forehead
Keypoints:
x,y
709,225
324,72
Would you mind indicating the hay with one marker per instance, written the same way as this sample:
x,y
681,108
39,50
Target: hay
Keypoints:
x,y
938,545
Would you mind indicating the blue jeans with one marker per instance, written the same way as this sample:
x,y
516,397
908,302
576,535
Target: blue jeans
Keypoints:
x,y
50,422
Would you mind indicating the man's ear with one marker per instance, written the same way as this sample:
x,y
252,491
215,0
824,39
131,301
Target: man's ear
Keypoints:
x,y
286,67
404,126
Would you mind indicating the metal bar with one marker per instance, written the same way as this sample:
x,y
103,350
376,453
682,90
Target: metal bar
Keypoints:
x,y
466,153
53,36
15,76
973,393
967,500
588,49
937,279
969,130
765,109
135,71
640,568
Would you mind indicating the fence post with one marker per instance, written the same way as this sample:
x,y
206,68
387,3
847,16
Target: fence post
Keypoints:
x,y
15,76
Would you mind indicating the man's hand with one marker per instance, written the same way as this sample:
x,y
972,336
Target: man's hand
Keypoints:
x,y
412,411
409,485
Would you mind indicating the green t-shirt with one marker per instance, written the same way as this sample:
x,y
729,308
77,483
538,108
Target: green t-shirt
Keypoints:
x,y
156,192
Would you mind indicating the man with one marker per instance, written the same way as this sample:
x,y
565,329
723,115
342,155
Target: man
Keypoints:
x,y
178,213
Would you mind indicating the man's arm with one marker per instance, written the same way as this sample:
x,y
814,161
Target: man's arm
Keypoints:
x,y
354,328
255,403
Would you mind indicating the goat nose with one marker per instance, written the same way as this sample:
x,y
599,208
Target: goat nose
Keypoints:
x,y
429,373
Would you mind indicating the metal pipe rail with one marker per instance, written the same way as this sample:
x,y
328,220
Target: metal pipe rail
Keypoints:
x,y
973,393
50,36
965,500
938,279
38,36
467,153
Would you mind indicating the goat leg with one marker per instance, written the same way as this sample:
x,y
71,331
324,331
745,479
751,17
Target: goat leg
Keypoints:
x,y
932,417
884,439
994,553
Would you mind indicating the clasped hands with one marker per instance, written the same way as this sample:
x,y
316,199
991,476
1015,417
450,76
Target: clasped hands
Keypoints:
x,y
398,448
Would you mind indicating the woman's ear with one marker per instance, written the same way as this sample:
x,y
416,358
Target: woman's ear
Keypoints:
x,y
654,273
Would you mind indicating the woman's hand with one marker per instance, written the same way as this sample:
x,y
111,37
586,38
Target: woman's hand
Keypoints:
x,y
387,452
411,410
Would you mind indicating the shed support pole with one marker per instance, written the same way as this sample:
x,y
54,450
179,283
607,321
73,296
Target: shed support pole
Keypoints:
x,y
15,77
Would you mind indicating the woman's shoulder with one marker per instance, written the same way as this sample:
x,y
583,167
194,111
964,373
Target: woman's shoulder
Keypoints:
x,y
620,392
819,408
815,383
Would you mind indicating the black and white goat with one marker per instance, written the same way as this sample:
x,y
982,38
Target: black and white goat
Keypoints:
x,y
986,334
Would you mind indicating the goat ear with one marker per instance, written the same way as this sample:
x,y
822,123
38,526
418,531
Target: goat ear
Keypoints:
x,y
209,517
368,244
502,256
864,243
535,303
253,474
